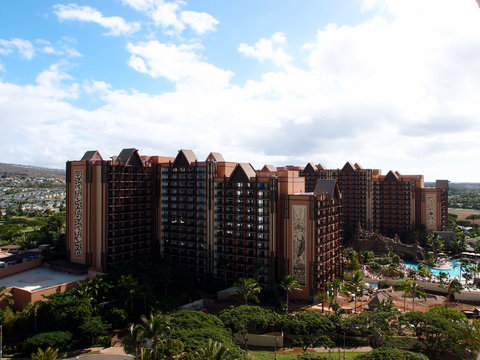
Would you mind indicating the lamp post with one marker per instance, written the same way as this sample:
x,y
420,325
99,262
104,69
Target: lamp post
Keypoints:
x,y
1,342
344,345
274,339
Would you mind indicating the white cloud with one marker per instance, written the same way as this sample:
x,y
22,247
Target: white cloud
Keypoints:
x,y
396,92
268,49
178,63
169,16
116,25
24,47
199,22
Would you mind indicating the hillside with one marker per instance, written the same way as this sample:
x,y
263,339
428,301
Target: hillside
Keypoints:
x,y
14,170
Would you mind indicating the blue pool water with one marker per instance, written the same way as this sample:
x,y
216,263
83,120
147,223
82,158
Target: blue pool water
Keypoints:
x,y
453,273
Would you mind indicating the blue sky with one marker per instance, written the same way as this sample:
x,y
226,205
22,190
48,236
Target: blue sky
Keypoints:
x,y
390,84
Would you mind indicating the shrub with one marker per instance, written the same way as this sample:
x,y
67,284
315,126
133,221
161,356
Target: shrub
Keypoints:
x,y
385,353
54,339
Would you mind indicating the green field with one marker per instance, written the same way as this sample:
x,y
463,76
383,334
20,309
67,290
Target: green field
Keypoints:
x,y
269,355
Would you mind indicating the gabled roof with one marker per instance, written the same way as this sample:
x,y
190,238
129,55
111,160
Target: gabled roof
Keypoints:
x,y
130,157
215,156
321,167
184,158
348,167
328,187
391,176
377,299
358,166
310,168
91,156
242,173
268,168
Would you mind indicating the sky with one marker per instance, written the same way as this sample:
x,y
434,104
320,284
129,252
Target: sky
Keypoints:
x,y
389,84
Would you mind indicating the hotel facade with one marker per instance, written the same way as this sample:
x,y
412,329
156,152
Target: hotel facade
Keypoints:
x,y
227,220
389,204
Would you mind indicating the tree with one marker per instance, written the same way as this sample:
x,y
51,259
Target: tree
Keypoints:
x,y
356,285
424,271
6,296
134,339
288,284
47,354
388,353
322,296
366,256
158,328
410,288
454,287
442,276
335,287
435,244
248,289
465,267
212,351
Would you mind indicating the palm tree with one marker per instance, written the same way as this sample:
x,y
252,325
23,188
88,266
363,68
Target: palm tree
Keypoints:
x,y
405,287
47,354
416,291
322,296
410,288
334,288
424,271
134,339
464,267
6,296
356,285
288,284
442,276
454,287
212,351
435,242
248,289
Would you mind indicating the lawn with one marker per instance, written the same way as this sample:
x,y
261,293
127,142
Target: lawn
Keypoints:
x,y
269,355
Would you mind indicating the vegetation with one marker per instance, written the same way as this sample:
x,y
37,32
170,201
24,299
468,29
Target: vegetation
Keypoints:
x,y
289,284
248,289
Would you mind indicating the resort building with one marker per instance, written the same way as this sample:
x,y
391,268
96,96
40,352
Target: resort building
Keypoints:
x,y
389,204
214,218
227,220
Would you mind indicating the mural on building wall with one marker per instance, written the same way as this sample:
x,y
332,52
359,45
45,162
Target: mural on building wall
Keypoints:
x,y
431,211
299,234
78,214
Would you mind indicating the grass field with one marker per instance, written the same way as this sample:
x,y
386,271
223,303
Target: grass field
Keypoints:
x,y
269,355
464,213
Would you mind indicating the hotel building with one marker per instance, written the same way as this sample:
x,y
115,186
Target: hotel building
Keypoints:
x,y
389,204
214,218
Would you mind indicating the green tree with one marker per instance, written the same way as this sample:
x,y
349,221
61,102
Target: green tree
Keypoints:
x,y
289,284
157,328
6,296
212,351
47,354
412,289
435,244
465,265
454,287
388,353
356,285
321,297
248,289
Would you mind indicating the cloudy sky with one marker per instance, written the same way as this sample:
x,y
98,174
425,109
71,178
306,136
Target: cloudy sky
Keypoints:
x,y
390,84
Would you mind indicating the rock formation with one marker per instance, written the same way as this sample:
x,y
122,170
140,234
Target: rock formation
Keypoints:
x,y
382,245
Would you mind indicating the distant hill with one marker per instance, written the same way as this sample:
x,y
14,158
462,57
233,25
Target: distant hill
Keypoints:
x,y
10,170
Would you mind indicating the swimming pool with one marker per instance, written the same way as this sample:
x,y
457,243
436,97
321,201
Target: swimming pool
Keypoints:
x,y
454,272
